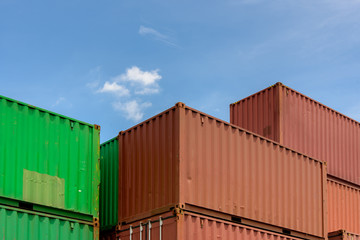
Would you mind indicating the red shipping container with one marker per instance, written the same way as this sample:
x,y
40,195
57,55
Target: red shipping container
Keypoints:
x,y
305,125
191,226
186,158
343,206
343,235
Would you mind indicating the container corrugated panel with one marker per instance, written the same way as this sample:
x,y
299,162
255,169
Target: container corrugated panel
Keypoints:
x,y
343,206
48,159
183,156
301,123
26,225
109,161
343,235
191,226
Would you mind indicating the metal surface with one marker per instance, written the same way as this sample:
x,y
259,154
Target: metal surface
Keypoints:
x,y
109,162
343,235
299,122
183,156
48,159
195,227
26,225
343,206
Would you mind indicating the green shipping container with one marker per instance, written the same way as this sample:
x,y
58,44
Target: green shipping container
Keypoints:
x,y
109,152
27,225
47,159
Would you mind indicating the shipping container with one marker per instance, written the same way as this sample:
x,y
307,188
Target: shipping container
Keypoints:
x,y
343,235
192,226
343,206
305,125
109,162
186,158
108,235
27,225
47,159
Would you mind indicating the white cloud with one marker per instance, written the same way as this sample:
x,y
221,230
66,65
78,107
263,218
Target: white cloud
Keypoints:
x,y
135,75
146,31
58,101
147,91
115,88
133,110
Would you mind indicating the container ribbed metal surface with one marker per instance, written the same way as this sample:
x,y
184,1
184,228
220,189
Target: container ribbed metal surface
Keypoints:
x,y
48,159
343,206
26,225
109,161
301,123
183,156
190,226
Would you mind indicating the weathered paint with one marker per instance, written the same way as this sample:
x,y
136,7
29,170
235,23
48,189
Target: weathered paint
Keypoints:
x,y
109,161
27,225
183,156
301,123
191,226
343,206
343,235
39,148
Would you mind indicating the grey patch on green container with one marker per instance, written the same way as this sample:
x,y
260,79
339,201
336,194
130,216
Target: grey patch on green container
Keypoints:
x,y
43,189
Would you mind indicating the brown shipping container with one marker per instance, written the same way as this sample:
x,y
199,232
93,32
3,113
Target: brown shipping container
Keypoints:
x,y
301,123
183,157
108,235
190,226
343,206
343,235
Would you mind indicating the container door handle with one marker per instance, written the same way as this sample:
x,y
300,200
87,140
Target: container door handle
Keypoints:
x,y
160,227
149,230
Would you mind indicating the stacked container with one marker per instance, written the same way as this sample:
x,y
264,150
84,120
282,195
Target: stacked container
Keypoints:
x,y
305,125
49,174
190,165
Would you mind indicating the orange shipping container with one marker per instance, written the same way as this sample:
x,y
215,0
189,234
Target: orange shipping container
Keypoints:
x,y
190,226
301,123
186,158
343,206
343,235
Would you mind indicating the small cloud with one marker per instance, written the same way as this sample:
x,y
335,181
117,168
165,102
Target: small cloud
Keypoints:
x,y
146,31
147,91
115,88
133,110
134,74
58,101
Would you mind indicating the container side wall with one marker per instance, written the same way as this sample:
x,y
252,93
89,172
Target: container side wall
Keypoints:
x,y
29,226
109,152
48,159
227,169
343,235
258,113
322,133
343,207
195,227
148,167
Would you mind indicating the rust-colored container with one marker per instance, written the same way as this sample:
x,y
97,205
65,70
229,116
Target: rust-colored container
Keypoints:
x,y
191,226
186,158
343,235
301,123
343,206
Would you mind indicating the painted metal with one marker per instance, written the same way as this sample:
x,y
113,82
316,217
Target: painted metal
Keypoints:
x,y
186,157
27,225
301,123
109,165
48,159
191,226
343,235
343,206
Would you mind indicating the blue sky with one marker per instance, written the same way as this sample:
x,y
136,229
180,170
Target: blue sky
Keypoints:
x,y
116,63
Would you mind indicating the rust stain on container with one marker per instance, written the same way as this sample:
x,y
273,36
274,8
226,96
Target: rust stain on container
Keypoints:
x,y
301,123
343,206
188,158
343,235
190,226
